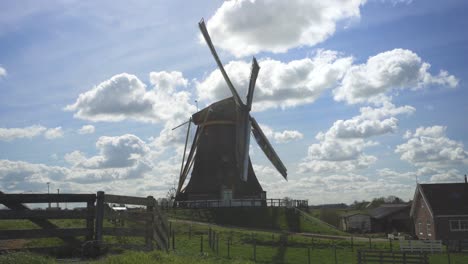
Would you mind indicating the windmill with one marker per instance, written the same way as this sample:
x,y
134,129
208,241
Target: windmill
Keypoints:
x,y
219,153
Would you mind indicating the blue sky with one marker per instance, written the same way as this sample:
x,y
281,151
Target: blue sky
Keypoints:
x,y
357,97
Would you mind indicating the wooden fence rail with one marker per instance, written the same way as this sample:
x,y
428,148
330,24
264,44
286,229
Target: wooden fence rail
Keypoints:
x,y
381,257
155,224
421,245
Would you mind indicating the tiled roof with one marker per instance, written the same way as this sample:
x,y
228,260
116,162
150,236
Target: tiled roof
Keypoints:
x,y
387,209
447,198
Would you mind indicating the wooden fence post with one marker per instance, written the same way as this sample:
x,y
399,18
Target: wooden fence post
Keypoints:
x,y
173,239
149,223
99,216
448,252
209,237
334,250
370,243
359,257
228,247
391,244
190,231
90,220
217,245
201,244
352,244
254,251
308,255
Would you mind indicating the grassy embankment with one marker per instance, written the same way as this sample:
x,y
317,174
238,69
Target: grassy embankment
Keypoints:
x,y
271,246
260,218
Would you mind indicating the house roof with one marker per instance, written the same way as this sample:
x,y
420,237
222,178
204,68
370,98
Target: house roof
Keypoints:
x,y
354,214
387,209
446,198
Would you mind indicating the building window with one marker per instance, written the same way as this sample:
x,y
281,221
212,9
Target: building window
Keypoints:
x,y
429,230
458,225
420,228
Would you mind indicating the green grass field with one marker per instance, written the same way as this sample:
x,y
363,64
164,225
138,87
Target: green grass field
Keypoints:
x,y
270,218
271,246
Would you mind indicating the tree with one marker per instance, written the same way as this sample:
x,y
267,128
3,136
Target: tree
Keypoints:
x,y
393,199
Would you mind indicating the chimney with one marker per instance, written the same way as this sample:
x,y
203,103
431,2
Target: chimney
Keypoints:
x,y
466,180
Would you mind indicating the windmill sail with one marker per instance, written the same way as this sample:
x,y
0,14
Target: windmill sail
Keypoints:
x,y
205,34
267,148
253,79
243,142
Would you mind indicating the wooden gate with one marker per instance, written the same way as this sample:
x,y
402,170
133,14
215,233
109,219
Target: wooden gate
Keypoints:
x,y
155,228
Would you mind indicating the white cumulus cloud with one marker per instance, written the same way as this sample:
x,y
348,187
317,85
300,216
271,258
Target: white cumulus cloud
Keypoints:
x,y
341,148
279,85
86,129
429,146
284,136
385,72
9,134
3,72
53,133
124,96
245,27
114,152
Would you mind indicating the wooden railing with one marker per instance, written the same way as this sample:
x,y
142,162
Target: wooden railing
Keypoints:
x,y
155,224
380,257
238,203
421,245
40,217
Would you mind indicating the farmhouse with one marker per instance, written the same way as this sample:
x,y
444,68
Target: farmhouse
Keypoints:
x,y
387,218
440,211
356,222
391,218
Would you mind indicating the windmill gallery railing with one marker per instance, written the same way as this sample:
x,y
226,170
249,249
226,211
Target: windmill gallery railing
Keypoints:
x,y
236,203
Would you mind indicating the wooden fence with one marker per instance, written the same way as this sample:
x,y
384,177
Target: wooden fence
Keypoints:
x,y
237,203
155,223
421,245
381,257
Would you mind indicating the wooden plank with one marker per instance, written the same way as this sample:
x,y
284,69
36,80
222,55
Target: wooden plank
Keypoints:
x,y
120,199
90,212
160,234
42,233
118,231
46,198
99,216
43,214
390,257
149,224
43,223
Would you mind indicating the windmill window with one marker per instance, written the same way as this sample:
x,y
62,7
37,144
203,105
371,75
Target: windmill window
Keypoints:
x,y
458,225
429,227
420,228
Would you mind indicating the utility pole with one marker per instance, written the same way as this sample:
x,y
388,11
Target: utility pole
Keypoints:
x,y
48,191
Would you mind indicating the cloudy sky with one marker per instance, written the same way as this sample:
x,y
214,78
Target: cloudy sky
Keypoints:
x,y
359,98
